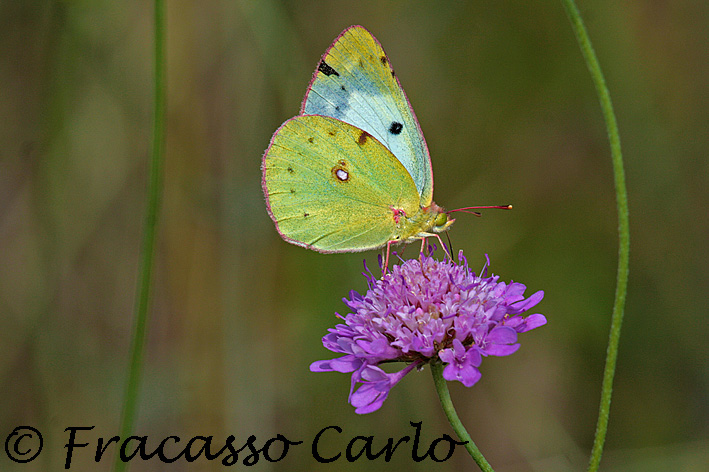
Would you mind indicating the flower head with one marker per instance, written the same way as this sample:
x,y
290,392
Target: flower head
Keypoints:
x,y
423,311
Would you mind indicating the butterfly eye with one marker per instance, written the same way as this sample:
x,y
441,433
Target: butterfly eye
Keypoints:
x,y
441,219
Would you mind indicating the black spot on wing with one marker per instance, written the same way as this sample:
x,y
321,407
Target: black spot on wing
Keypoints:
x,y
384,60
395,127
325,68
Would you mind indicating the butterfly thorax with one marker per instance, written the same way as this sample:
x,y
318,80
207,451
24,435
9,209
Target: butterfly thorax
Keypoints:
x,y
426,222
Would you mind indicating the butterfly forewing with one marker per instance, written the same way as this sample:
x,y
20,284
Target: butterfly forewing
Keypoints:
x,y
355,83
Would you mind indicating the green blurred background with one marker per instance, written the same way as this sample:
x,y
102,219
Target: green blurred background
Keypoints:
x,y
510,116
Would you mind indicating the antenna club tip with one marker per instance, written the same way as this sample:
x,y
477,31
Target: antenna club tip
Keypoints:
x,y
509,207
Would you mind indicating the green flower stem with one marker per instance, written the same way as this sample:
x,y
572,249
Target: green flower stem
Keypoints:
x,y
447,404
623,230
147,253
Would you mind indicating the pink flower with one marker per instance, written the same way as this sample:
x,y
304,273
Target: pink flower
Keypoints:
x,y
424,311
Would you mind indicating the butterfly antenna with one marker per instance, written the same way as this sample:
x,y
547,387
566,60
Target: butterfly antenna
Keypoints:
x,y
474,213
488,207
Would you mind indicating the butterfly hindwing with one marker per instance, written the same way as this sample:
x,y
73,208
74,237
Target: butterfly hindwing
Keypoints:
x,y
323,183
355,83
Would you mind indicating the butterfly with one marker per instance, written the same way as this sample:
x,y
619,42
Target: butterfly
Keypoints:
x,y
352,172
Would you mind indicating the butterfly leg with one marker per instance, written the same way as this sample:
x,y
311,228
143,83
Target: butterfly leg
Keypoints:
x,y
386,260
445,248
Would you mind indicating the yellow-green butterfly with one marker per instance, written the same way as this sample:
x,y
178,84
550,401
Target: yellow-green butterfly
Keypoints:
x,y
352,172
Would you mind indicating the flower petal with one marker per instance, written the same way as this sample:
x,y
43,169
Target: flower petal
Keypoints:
x,y
525,305
502,335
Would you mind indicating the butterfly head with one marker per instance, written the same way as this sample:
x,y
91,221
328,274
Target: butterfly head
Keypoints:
x,y
441,220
